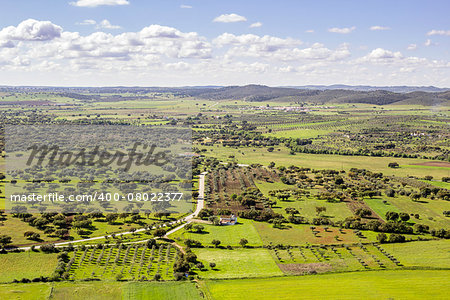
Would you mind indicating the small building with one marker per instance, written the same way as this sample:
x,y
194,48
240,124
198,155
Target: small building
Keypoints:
x,y
228,220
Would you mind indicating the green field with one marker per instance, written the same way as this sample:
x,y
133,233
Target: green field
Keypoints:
x,y
306,206
26,291
155,290
227,235
237,263
429,254
445,185
358,285
301,133
376,203
15,228
26,265
326,161
87,290
100,290
294,234
430,211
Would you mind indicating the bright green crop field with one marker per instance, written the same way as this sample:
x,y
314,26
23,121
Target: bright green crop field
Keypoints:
x,y
237,263
416,284
26,265
408,166
429,254
227,235
100,290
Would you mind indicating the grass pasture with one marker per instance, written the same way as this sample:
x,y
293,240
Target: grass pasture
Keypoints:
x,y
297,235
27,291
379,207
423,254
306,206
163,290
227,235
237,263
399,284
15,228
26,265
282,157
430,211
100,290
87,290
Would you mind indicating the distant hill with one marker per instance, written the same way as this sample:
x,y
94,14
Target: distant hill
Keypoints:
x,y
402,95
260,93
365,88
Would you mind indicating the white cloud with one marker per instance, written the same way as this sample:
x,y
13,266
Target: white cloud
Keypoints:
x,y
382,55
185,6
7,44
105,24
95,3
439,32
87,22
428,43
309,31
376,27
256,25
229,18
343,30
31,30
268,43
162,55
412,47
276,49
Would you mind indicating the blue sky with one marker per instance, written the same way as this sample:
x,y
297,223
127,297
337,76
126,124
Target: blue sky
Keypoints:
x,y
201,42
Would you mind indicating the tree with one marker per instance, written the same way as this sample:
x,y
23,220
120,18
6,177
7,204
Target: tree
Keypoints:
x,y
391,216
216,243
212,265
5,240
243,242
320,209
404,216
397,238
363,212
160,232
277,222
198,228
191,257
151,243
193,243
292,211
415,197
420,228
390,193
110,218
393,165
188,226
159,215
382,237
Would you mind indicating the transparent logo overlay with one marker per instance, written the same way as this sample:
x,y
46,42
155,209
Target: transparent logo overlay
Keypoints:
x,y
98,168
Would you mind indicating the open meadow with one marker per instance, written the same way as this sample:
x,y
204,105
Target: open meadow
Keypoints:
x,y
368,285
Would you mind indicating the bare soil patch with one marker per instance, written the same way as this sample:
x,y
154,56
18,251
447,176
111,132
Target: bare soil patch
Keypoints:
x,y
435,164
299,269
